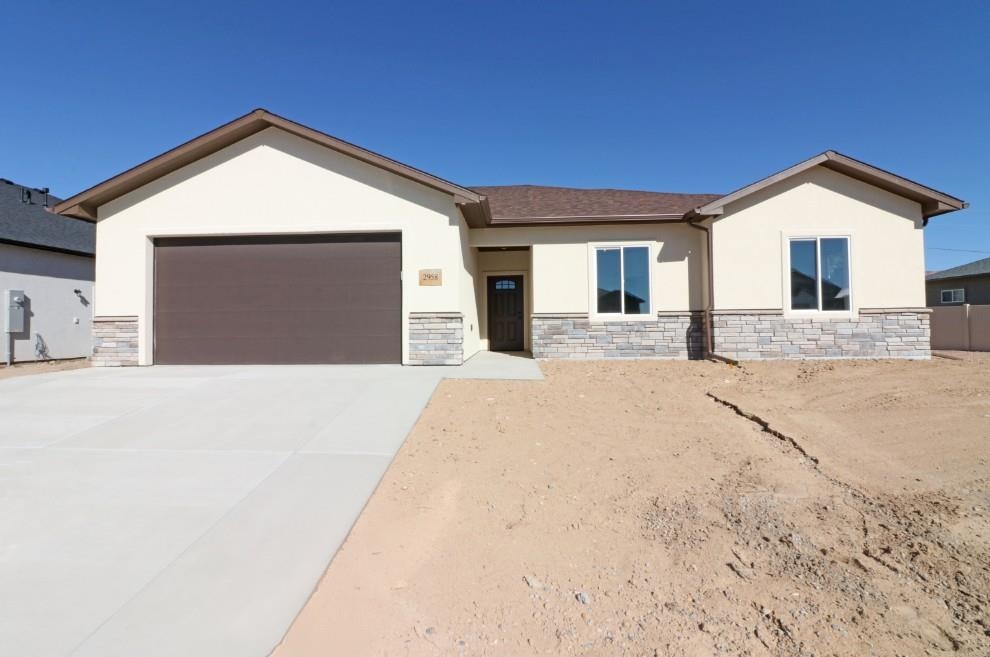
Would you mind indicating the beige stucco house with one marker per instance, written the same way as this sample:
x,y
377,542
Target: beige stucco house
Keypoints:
x,y
265,241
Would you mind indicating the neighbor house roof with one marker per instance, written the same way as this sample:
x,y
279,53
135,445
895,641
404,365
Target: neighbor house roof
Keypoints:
x,y
932,202
26,220
977,268
84,204
533,204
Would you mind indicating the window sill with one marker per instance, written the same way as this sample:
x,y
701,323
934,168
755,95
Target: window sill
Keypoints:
x,y
821,314
622,318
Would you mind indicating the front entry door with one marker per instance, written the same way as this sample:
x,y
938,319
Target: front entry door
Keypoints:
x,y
505,313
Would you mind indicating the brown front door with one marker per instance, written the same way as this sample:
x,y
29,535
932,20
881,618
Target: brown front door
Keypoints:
x,y
505,313
278,299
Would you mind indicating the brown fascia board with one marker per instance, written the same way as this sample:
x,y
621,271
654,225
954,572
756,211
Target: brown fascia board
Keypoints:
x,y
476,214
933,202
84,205
604,219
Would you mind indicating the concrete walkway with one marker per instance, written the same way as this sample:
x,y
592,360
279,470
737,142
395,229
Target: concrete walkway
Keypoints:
x,y
175,510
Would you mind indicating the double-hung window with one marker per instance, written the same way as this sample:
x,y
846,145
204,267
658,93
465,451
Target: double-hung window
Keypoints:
x,y
622,280
820,274
953,296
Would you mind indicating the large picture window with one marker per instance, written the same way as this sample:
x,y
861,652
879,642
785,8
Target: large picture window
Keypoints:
x,y
623,280
820,273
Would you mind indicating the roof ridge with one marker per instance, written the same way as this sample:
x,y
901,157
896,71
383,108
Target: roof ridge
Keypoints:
x,y
595,189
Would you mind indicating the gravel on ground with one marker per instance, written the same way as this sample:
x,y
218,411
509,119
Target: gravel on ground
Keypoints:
x,y
39,367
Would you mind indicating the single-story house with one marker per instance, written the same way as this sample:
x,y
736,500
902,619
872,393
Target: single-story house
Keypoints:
x,y
50,259
265,241
969,283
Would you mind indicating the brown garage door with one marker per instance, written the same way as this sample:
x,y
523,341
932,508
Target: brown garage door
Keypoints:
x,y
278,299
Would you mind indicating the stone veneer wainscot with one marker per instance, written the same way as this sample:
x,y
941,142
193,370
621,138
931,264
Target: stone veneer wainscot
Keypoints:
x,y
115,341
436,338
873,333
667,335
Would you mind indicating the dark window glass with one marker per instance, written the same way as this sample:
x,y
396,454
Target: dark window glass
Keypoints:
x,y
609,281
835,273
636,279
957,295
804,275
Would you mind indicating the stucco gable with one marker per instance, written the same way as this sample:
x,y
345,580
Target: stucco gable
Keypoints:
x,y
85,204
274,171
820,192
932,202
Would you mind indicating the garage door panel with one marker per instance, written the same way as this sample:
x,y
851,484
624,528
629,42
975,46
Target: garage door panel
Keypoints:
x,y
278,299
228,350
325,324
201,298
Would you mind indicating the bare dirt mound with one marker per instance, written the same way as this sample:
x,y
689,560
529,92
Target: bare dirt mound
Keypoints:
x,y
617,509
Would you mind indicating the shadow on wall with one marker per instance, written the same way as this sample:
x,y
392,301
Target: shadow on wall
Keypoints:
x,y
680,251
674,251
41,348
695,338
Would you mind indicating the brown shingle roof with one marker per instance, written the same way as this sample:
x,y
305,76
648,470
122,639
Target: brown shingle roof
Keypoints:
x,y
536,204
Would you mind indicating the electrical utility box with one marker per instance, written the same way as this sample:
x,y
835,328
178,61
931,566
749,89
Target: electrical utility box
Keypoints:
x,y
15,304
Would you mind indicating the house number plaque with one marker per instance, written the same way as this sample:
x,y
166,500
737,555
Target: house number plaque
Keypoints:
x,y
431,277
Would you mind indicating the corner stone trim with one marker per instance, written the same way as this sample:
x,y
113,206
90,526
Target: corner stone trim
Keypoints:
x,y
672,336
115,341
436,338
891,333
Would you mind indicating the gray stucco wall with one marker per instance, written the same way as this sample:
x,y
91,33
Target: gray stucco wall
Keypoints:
x,y
977,290
59,321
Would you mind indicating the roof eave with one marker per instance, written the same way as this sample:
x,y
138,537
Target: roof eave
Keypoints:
x,y
933,202
953,277
76,211
48,247
477,213
84,205
572,220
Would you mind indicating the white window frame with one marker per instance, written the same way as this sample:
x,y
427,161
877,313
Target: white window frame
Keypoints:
x,y
593,248
952,291
786,240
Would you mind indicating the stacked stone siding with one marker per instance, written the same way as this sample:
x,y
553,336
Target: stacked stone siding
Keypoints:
x,y
436,338
115,341
679,336
891,333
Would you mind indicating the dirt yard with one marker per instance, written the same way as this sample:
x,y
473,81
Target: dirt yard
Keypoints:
x,y
21,369
627,508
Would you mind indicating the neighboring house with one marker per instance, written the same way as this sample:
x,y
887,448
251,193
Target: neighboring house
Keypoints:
x,y
969,283
49,258
265,241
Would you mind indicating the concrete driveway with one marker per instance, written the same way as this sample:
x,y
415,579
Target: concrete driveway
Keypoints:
x,y
189,510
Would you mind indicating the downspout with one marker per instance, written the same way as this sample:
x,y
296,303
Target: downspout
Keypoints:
x,y
709,311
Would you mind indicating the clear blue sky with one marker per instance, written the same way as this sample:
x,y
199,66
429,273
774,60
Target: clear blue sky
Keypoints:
x,y
692,97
